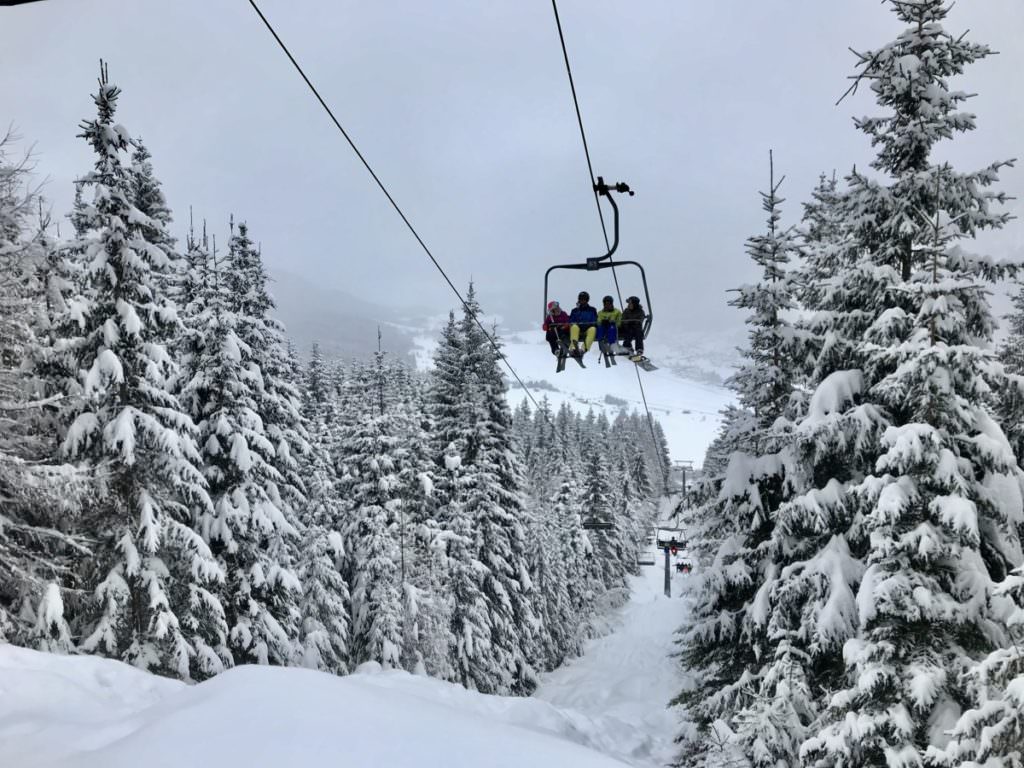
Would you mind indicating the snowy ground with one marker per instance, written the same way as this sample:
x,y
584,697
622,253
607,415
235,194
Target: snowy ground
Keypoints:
x,y
687,409
604,709
628,677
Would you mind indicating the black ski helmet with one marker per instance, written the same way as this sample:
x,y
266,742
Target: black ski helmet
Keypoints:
x,y
608,300
633,300
584,296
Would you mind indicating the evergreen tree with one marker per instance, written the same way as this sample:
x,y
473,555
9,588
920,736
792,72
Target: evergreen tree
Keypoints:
x,y
277,386
150,572
374,460
934,536
574,551
316,395
1010,403
148,198
38,498
989,734
251,525
323,608
496,502
471,419
726,637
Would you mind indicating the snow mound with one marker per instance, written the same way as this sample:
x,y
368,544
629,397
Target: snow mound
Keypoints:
x,y
91,713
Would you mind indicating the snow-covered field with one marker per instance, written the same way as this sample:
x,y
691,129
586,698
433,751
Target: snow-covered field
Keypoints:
x,y
604,709
687,409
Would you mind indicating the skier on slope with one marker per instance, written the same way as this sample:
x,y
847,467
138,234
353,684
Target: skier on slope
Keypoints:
x,y
608,319
556,327
632,326
583,316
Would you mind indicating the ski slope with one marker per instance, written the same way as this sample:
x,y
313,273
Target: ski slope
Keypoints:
x,y
687,410
628,677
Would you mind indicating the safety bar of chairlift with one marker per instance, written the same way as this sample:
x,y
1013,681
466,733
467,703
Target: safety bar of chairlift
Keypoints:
x,y
593,265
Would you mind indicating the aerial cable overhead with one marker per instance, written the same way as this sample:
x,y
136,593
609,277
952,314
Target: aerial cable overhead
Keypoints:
x,y
594,185
398,210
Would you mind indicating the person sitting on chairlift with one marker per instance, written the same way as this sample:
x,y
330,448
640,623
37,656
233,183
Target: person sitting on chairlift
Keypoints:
x,y
583,316
608,320
632,326
556,327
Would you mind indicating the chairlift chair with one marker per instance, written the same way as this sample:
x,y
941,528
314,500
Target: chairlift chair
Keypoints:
x,y
598,263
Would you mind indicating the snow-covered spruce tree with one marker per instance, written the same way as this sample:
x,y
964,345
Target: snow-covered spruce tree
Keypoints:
x,y
823,243
38,497
772,725
149,575
992,733
323,607
446,398
316,396
249,525
724,641
574,550
599,508
549,594
635,506
148,198
495,500
421,545
278,393
1010,406
472,657
472,418
196,269
374,457
910,471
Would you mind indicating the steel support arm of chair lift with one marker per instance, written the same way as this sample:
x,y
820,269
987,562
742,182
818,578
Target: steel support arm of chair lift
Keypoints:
x,y
605,262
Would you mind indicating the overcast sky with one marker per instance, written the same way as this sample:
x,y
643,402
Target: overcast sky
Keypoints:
x,y
464,110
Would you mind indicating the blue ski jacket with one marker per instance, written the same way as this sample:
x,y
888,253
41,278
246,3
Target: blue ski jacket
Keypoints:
x,y
583,316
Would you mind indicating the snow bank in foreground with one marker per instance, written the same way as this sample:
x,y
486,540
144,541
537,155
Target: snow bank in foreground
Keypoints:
x,y
96,713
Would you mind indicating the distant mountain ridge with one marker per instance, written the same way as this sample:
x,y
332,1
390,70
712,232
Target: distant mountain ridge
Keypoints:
x,y
344,325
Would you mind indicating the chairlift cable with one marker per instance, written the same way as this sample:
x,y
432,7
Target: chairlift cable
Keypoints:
x,y
394,205
604,229
586,147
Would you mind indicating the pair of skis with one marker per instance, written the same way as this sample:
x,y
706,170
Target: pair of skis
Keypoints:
x,y
607,353
564,352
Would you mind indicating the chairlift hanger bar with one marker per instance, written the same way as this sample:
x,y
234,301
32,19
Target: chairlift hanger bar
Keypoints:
x,y
605,262
605,190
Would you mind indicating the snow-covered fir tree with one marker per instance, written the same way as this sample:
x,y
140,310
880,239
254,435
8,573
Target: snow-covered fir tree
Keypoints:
x,y
38,497
990,733
374,458
149,576
876,599
472,656
725,639
278,387
251,526
935,535
1010,406
472,418
323,608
